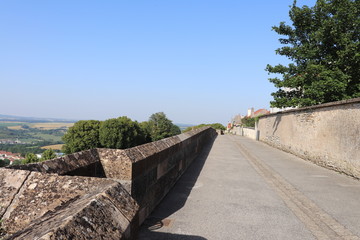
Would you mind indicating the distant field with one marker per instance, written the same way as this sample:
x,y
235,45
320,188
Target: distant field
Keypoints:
x,y
49,126
54,147
18,127
47,137
10,124
43,126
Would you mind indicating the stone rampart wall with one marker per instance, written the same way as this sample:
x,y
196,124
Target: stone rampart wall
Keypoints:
x,y
327,134
120,187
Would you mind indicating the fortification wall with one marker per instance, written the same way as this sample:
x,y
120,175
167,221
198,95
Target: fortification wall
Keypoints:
x,y
327,134
83,194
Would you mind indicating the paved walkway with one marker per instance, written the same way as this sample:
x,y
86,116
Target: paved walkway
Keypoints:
x,y
243,189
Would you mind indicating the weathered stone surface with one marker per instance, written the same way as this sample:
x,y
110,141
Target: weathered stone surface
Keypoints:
x,y
42,193
63,165
122,201
10,184
98,215
116,163
150,160
149,187
326,134
39,205
134,154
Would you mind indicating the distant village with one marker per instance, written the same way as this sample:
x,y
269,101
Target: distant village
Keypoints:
x,y
11,156
236,121
10,141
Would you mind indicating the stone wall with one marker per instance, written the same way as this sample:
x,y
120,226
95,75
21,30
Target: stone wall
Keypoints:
x,y
83,194
249,132
244,131
48,206
327,134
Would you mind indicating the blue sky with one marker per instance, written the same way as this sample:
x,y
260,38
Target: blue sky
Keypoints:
x,y
199,61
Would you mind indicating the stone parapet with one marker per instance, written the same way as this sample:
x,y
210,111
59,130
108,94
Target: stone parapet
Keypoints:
x,y
97,193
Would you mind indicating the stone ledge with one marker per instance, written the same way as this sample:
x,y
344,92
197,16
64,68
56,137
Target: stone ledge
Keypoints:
x,y
324,105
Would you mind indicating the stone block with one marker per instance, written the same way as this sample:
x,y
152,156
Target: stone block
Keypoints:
x,y
10,184
116,163
134,154
42,193
150,160
162,168
93,216
63,165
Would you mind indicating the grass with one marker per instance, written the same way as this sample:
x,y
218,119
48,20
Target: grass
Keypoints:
x,y
54,147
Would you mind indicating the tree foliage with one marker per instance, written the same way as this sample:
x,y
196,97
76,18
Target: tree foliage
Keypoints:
x,y
48,154
161,127
146,129
83,135
218,126
16,162
323,44
4,162
30,158
118,133
248,121
121,133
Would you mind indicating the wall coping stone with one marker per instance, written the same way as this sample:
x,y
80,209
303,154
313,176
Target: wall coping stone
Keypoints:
x,y
324,105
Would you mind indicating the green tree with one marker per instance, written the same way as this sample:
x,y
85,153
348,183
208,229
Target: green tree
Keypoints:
x,y
161,127
82,136
30,158
16,162
213,125
121,133
4,162
248,122
323,45
146,129
48,154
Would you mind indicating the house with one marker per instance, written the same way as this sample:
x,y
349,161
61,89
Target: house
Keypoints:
x,y
261,112
257,113
11,156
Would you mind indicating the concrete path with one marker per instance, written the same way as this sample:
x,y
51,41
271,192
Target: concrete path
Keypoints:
x,y
243,189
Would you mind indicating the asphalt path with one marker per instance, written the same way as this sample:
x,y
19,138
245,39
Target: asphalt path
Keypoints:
x,y
243,189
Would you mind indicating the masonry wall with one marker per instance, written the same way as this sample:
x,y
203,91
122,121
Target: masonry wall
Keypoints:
x,y
116,188
244,131
327,134
157,166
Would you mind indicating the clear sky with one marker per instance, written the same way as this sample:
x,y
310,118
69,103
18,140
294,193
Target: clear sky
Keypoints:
x,y
199,61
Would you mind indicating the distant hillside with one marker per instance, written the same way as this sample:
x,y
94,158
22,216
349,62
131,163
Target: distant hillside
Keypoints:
x,y
32,119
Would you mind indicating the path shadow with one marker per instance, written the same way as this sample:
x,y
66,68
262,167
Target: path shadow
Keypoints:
x,y
173,201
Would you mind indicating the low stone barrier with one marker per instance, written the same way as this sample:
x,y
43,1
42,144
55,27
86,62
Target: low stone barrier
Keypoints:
x,y
95,194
